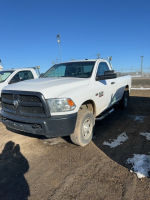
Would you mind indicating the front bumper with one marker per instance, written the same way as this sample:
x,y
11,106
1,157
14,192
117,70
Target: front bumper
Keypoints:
x,y
53,126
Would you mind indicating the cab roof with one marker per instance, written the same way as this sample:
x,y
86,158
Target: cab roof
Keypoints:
x,y
86,60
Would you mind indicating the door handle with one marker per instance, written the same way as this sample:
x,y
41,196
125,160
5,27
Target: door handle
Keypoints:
x,y
112,82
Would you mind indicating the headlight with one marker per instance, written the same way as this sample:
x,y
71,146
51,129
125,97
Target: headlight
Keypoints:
x,y
61,105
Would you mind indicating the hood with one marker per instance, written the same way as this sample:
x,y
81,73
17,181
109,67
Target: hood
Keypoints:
x,y
49,87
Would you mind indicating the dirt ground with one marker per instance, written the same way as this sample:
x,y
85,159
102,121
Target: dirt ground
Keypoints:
x,y
138,82
38,168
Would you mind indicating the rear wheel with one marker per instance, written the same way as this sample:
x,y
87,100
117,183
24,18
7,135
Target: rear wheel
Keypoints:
x,y
125,100
84,128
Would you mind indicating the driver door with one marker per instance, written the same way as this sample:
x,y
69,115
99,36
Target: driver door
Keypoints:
x,y
105,88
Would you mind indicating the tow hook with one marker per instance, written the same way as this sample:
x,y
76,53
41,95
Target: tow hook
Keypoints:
x,y
36,126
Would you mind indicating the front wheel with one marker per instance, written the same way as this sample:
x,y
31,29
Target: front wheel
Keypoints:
x,y
125,100
84,128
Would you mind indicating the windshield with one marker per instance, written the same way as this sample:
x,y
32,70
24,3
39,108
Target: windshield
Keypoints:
x,y
4,75
72,69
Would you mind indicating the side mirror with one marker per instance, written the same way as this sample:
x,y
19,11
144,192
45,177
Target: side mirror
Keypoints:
x,y
107,75
41,75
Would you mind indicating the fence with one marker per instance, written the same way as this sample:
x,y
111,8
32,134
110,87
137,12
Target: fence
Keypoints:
x,y
134,72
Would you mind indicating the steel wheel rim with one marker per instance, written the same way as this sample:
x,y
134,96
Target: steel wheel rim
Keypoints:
x,y
87,128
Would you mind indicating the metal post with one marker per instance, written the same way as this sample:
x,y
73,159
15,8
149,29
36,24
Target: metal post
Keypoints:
x,y
53,62
59,52
98,56
57,59
142,65
58,40
38,67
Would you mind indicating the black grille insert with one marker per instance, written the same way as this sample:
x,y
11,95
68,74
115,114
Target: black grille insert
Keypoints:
x,y
28,98
32,109
9,106
7,96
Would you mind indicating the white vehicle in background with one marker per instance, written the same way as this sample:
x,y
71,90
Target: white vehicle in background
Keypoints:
x,y
67,100
16,75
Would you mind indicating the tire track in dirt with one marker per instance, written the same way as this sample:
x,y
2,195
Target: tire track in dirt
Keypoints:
x,y
69,179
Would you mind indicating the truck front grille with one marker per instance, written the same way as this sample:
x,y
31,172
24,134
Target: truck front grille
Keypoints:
x,y
28,98
31,109
28,104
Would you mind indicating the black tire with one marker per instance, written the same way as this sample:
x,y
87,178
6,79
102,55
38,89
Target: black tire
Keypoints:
x,y
124,102
84,128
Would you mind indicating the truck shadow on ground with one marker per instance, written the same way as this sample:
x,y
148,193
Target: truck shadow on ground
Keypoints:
x,y
26,134
13,166
132,121
61,141
44,139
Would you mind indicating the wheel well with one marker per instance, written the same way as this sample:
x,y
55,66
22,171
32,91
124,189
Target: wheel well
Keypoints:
x,y
90,105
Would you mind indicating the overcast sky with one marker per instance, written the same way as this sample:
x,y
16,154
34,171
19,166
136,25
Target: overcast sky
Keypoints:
x,y
117,28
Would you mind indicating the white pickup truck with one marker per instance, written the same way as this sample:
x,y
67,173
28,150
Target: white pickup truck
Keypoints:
x,y
66,100
16,75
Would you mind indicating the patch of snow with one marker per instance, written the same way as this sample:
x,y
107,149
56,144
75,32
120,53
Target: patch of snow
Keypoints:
x,y
147,135
139,118
141,164
94,136
135,75
140,88
116,142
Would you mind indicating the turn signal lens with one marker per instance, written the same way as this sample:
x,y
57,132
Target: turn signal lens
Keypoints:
x,y
70,102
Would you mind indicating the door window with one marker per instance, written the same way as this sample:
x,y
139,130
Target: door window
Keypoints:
x,y
4,75
22,76
102,68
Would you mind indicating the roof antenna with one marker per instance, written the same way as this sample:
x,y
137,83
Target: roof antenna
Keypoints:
x,y
98,55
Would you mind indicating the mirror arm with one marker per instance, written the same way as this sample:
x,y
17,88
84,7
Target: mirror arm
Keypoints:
x,y
100,78
106,77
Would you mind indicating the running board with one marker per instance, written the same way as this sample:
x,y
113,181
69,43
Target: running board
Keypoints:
x,y
105,115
